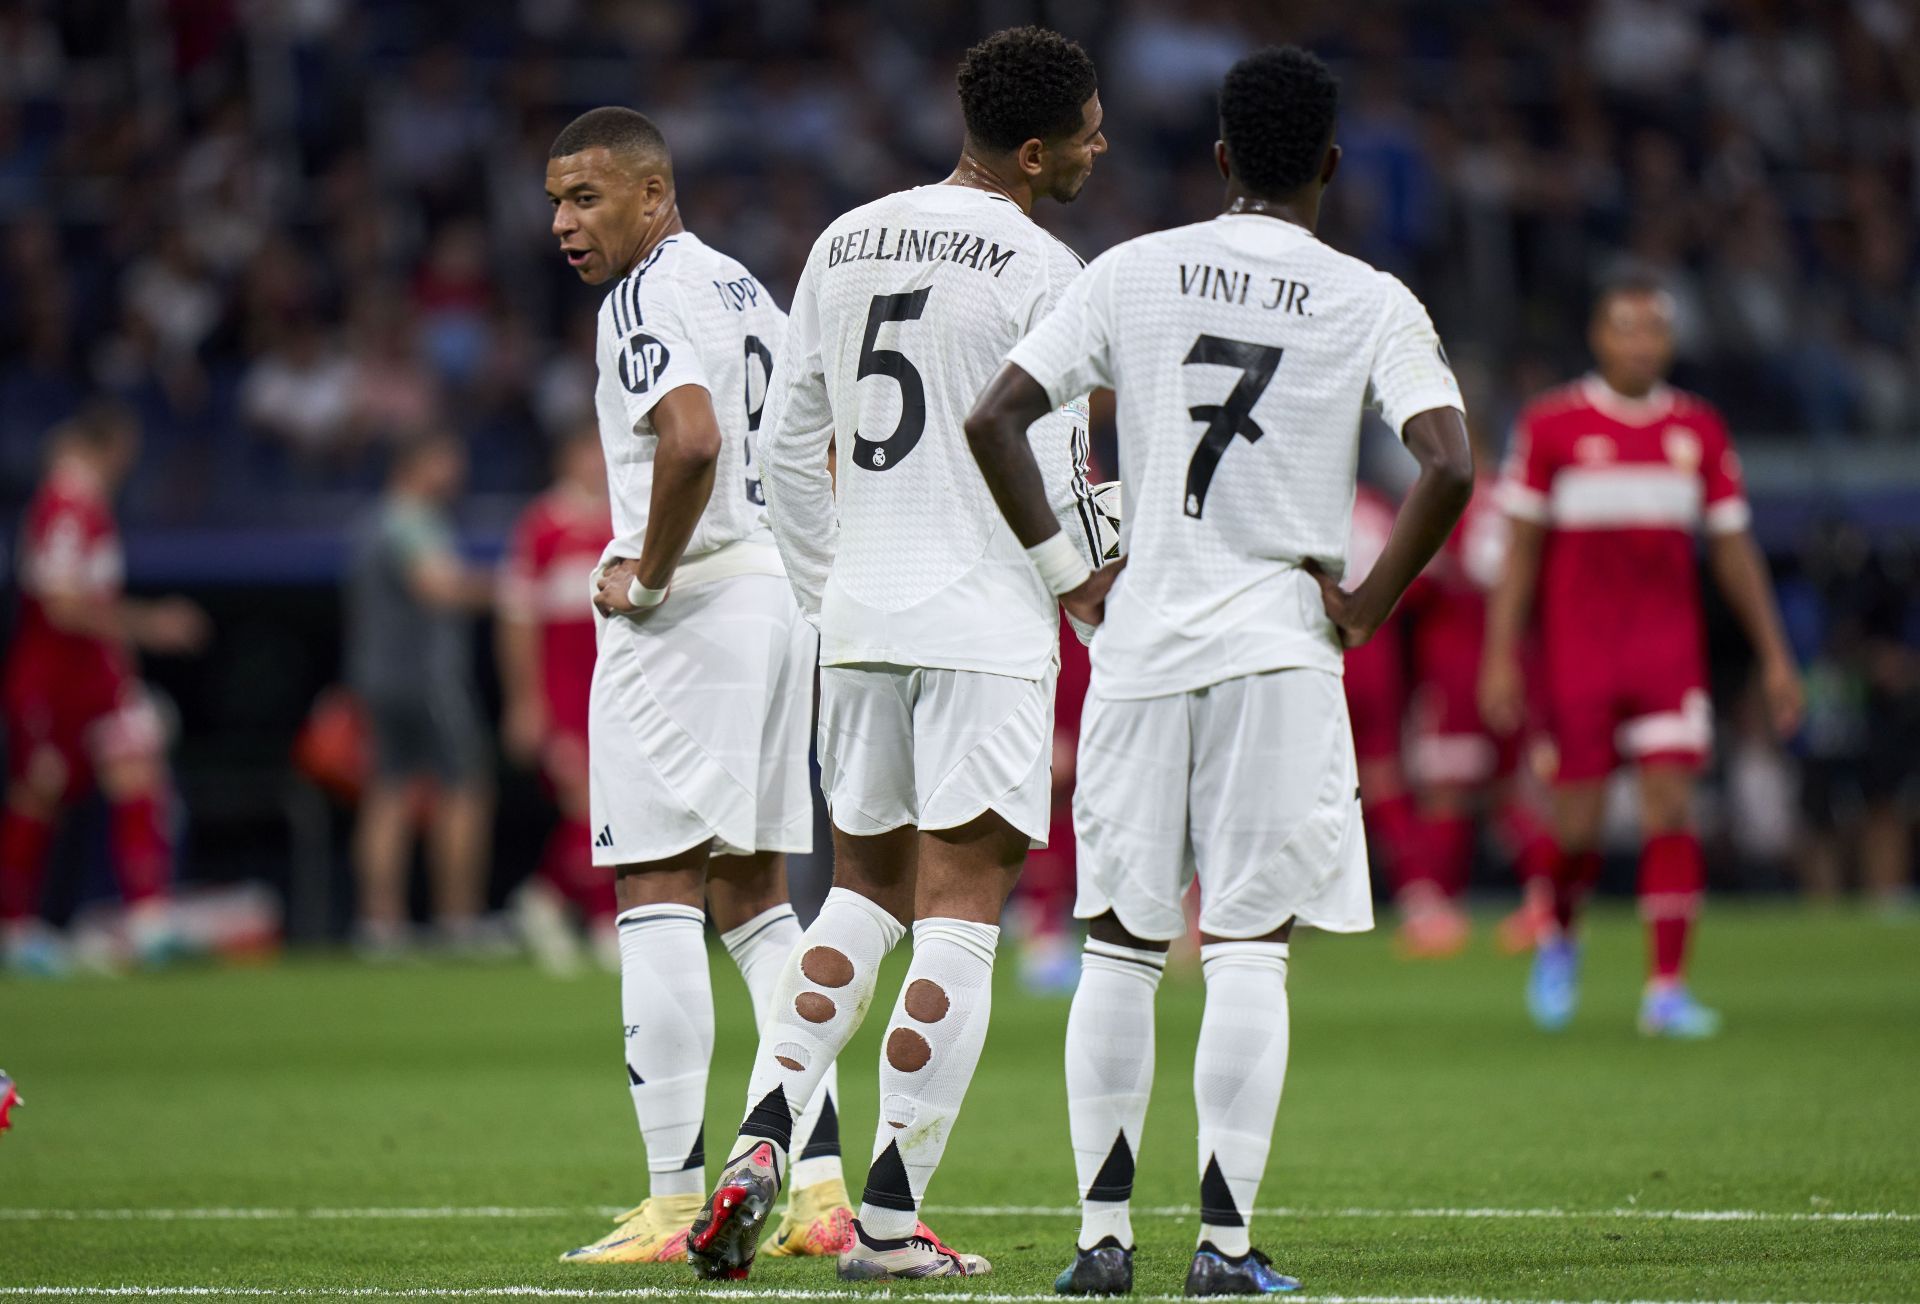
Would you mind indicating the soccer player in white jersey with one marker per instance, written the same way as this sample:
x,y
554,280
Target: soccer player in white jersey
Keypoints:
x,y
702,683
938,640
1216,741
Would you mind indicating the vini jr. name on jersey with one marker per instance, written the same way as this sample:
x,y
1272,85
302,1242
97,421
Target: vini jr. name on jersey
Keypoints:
x,y
1224,285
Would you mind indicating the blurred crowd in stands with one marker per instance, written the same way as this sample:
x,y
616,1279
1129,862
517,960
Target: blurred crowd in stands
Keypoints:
x,y
294,236
289,232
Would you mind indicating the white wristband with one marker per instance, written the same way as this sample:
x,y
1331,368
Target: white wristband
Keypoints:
x,y
1060,564
643,597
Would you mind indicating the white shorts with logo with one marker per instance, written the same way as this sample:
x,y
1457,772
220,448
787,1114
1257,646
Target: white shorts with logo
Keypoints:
x,y
697,724
1249,784
935,748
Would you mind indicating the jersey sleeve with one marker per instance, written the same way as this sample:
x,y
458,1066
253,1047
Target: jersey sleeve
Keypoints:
x,y
798,427
1070,351
652,346
1526,477
1410,372
1724,486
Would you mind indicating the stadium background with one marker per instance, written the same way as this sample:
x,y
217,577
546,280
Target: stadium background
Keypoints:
x,y
290,234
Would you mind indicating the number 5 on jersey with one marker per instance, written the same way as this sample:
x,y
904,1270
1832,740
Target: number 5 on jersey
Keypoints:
x,y
879,454
1257,363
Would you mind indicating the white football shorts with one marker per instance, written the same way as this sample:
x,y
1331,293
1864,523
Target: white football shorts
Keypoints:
x,y
935,748
697,724
1249,784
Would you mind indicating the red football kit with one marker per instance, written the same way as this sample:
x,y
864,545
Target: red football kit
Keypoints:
x,y
72,701
1622,486
1375,672
555,546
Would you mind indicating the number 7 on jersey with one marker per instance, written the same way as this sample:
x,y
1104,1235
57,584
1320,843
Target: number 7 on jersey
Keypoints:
x,y
1257,363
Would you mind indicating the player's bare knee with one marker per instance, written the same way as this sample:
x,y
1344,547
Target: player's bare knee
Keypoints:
x,y
1108,928
125,777
926,1001
907,1050
826,966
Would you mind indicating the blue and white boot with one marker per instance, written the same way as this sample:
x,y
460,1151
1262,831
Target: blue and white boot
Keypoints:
x,y
1669,1010
1553,988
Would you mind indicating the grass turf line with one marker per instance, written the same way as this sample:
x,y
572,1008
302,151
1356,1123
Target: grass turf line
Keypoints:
x,y
319,1084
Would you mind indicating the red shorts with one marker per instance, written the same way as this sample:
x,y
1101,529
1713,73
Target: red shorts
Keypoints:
x,y
1377,695
1644,710
74,723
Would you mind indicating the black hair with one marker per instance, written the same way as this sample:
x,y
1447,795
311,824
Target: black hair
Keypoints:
x,y
1022,84
620,130
1277,107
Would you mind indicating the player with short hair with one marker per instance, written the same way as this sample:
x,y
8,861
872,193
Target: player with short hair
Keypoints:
x,y
938,641
546,638
697,716
76,712
1216,740
1606,483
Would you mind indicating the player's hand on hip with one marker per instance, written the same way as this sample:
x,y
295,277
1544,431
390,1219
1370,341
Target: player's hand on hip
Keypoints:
x,y
1502,694
1786,699
1088,603
1343,608
610,593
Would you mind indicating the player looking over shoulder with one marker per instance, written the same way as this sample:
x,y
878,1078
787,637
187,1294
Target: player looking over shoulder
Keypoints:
x,y
1607,481
1216,740
938,640
697,717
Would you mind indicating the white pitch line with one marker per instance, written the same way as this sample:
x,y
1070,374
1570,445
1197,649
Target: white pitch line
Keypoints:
x,y
693,1292
430,1212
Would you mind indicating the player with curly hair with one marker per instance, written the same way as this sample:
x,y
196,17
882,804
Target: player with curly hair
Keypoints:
x,y
938,637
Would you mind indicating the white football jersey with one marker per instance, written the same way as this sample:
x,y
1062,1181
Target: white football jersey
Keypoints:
x,y
901,317
1242,352
687,315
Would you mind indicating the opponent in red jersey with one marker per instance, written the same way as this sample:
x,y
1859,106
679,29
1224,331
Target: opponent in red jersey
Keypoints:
x,y
546,651
1607,481
1457,765
76,713
1376,683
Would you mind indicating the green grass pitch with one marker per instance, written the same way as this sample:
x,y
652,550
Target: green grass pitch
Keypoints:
x,y
320,1127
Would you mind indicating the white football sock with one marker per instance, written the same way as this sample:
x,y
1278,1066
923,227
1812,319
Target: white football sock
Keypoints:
x,y
1109,1079
1238,1070
666,1002
824,989
932,1046
761,948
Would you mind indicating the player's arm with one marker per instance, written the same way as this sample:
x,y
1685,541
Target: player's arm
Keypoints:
x,y
440,579
797,465
1502,693
1437,438
1741,572
683,464
997,434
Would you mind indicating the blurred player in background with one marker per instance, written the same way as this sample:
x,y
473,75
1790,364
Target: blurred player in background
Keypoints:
x,y
411,600
1376,689
701,691
938,641
76,712
1458,767
1216,743
546,653
1608,480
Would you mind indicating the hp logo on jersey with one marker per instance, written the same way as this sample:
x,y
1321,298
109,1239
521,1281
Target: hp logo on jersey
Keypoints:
x,y
642,362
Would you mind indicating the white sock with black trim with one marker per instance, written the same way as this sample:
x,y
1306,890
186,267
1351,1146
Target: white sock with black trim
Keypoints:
x,y
666,1002
761,948
1239,1068
1109,1080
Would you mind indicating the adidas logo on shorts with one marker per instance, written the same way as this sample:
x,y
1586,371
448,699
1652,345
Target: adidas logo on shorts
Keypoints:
x,y
605,836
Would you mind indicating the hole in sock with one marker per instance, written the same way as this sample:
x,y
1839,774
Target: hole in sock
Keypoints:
x,y
786,1061
907,1050
897,1110
926,1001
813,1007
826,966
